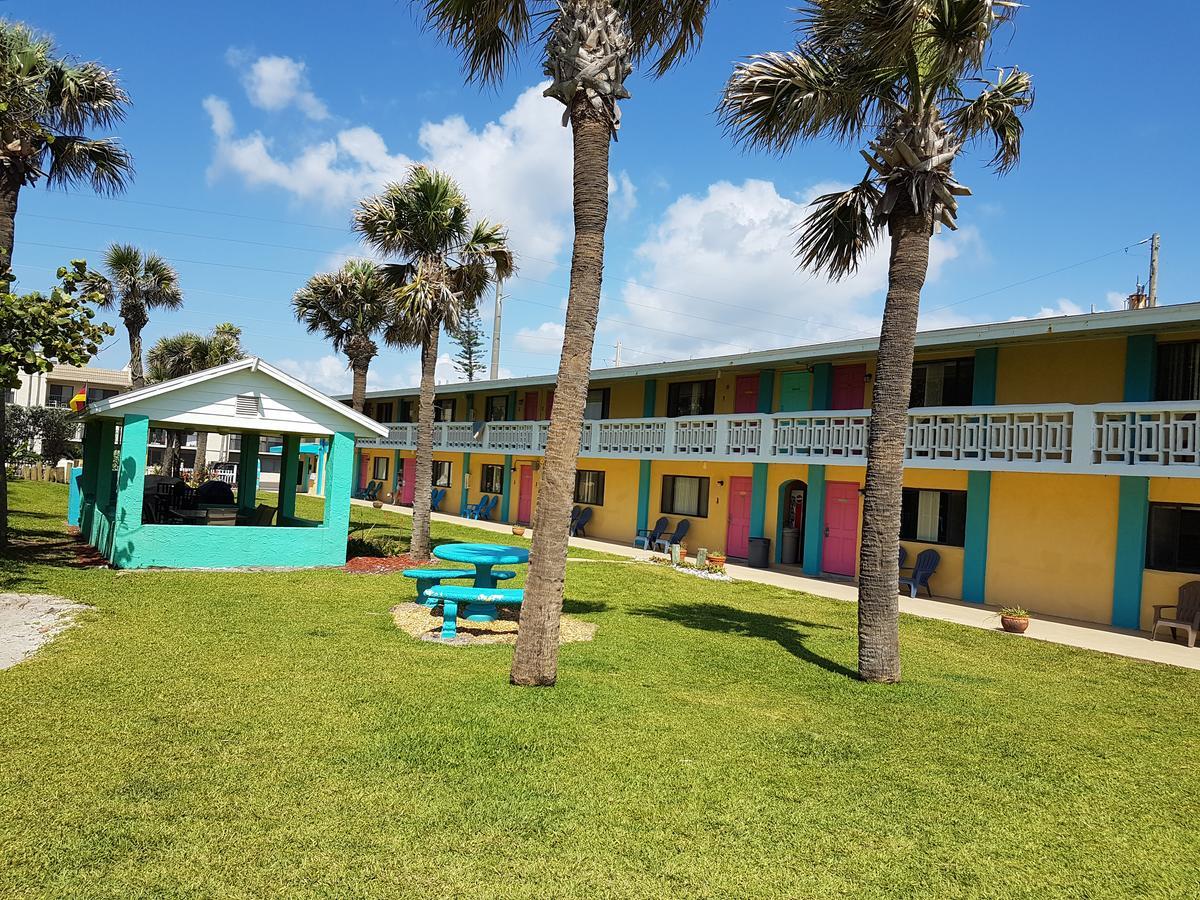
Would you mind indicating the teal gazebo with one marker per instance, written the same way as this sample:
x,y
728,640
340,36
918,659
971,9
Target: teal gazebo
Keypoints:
x,y
247,397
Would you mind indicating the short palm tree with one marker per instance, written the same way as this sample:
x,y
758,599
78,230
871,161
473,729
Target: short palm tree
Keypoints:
x,y
135,283
47,105
591,46
348,307
907,79
174,356
447,263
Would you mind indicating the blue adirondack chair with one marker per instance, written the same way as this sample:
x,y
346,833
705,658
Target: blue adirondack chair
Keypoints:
x,y
472,511
903,557
677,535
575,510
580,523
370,492
647,539
439,494
926,565
487,506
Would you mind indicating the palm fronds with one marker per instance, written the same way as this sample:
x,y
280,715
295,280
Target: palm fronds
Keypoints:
x,y
840,230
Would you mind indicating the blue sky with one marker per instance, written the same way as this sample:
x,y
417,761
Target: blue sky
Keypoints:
x,y
256,126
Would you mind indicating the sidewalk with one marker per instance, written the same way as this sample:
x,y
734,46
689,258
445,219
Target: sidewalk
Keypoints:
x,y
1103,639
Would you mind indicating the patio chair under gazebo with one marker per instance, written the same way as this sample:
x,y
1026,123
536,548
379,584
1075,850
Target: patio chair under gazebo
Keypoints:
x,y
248,397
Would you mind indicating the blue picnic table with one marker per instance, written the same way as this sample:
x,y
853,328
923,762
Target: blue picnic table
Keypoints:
x,y
483,557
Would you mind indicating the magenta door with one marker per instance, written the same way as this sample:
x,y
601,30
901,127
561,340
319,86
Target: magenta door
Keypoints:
x,y
839,550
848,382
408,481
737,535
531,406
745,399
525,499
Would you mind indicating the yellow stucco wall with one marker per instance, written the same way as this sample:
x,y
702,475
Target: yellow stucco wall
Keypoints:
x,y
1052,543
1066,372
709,532
947,581
1158,586
625,398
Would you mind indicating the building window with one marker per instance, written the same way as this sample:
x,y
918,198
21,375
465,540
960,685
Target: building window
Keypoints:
x,y
491,479
944,382
59,395
95,395
444,410
597,404
589,488
1173,538
442,473
691,398
496,409
684,495
934,517
383,412
1178,376
379,468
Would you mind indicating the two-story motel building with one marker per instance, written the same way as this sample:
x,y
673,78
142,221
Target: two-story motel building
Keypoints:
x,y
1053,463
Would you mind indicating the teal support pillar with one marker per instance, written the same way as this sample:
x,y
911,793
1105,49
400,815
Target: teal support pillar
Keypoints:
x,y
979,489
248,471
649,398
1133,494
643,507
510,407
470,410
131,488
766,391
104,469
359,481
822,386
758,501
397,464
1140,360
289,474
506,493
814,520
339,480
87,485
466,484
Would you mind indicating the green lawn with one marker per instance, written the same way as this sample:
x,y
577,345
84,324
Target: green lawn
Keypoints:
x,y
272,734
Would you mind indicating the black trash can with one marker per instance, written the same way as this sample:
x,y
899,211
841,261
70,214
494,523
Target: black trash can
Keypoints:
x,y
760,553
791,546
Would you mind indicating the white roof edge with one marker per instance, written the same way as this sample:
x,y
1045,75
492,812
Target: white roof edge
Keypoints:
x,y
253,363
1108,320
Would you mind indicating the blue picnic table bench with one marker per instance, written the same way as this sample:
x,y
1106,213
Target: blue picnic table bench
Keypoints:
x,y
481,604
431,578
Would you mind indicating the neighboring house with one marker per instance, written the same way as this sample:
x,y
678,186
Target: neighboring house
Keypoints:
x,y
1053,463
56,387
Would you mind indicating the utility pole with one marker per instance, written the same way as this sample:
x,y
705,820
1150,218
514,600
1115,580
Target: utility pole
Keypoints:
x,y
495,370
1153,288
617,359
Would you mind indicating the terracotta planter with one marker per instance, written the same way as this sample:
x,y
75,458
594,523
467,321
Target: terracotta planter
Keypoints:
x,y
716,559
518,530
1015,624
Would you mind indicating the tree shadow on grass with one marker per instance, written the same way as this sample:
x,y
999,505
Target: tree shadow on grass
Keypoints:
x,y
790,634
583,607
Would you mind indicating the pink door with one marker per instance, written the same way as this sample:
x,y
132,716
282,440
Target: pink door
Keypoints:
x,y
737,536
531,406
848,387
408,481
745,398
364,476
839,549
525,500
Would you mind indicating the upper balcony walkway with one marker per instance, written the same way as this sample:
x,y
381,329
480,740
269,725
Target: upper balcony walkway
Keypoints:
x,y
1108,439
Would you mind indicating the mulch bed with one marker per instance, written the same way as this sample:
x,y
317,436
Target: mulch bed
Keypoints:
x,y
387,565
426,624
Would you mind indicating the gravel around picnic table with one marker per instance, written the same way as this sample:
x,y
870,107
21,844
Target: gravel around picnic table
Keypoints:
x,y
27,621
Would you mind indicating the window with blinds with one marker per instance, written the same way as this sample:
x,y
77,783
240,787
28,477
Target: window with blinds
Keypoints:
x,y
934,517
685,495
1178,375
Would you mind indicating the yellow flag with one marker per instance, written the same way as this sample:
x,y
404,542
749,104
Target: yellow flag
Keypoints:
x,y
79,401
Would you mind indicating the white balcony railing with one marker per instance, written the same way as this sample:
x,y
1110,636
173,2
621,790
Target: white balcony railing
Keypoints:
x,y
1120,438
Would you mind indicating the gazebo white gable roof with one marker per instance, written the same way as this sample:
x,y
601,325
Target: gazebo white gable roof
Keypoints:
x,y
247,395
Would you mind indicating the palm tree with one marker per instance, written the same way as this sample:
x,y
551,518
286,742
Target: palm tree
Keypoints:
x,y
348,307
591,47
907,79
47,104
447,264
136,283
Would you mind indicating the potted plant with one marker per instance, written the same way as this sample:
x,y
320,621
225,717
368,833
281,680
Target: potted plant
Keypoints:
x,y
1014,619
716,558
518,530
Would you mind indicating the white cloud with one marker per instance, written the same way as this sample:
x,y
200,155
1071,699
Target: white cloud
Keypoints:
x,y
720,276
622,195
274,83
546,338
329,373
495,163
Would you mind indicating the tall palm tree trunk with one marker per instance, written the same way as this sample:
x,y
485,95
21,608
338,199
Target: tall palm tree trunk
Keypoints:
x,y
136,376
10,187
358,391
201,452
535,662
879,572
423,477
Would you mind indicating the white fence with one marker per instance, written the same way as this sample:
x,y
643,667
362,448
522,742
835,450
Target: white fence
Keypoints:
x,y
1120,438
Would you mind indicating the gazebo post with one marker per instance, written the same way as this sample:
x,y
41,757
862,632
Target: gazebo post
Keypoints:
x,y
248,471
289,472
339,478
103,486
321,467
131,485
87,486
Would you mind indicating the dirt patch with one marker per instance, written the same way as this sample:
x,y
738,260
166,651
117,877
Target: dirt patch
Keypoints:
x,y
382,565
27,621
422,622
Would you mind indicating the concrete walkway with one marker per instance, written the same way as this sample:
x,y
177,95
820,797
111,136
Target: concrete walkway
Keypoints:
x,y
1101,638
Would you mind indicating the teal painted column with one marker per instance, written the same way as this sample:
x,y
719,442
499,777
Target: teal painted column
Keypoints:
x,y
1133,494
470,411
822,386
104,480
289,473
397,462
649,398
248,471
979,489
506,493
766,391
131,487
466,483
87,487
510,407
814,520
321,468
649,407
758,501
359,482
339,480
